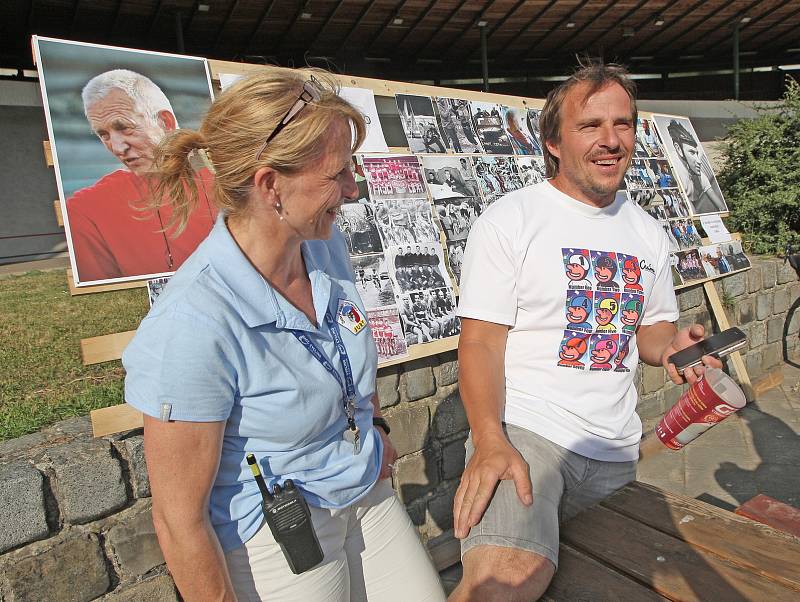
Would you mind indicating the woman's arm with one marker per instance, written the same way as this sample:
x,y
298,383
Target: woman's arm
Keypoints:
x,y
182,461
389,452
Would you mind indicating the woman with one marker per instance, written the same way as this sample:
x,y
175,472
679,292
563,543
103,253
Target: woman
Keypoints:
x,y
230,362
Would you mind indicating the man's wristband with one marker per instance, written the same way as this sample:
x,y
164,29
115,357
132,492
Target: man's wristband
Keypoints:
x,y
381,422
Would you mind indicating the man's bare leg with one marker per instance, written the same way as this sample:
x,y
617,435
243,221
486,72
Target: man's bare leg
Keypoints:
x,y
494,573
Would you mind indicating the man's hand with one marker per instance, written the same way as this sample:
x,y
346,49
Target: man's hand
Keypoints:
x,y
495,459
685,338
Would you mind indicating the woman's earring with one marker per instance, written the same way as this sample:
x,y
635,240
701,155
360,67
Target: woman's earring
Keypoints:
x,y
277,207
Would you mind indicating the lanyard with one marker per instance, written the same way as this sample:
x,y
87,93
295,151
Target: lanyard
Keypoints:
x,y
346,383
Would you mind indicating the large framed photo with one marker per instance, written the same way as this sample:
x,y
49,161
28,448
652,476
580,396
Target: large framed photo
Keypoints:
x,y
691,164
107,109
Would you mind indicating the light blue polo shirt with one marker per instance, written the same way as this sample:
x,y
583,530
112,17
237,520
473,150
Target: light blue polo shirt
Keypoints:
x,y
216,346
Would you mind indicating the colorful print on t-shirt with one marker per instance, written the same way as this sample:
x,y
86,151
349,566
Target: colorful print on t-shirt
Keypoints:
x,y
630,312
605,270
578,268
573,347
603,348
622,353
604,304
631,273
579,310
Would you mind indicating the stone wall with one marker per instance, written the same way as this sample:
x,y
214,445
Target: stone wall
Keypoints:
x,y
75,520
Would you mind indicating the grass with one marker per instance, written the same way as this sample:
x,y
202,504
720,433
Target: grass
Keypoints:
x,y
42,377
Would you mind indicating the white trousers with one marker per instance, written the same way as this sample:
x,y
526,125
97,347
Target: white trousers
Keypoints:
x,y
371,552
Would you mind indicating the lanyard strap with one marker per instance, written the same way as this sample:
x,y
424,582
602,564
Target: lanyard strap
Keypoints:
x,y
346,383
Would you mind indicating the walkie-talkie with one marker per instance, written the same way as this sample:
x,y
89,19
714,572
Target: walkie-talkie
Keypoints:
x,y
289,519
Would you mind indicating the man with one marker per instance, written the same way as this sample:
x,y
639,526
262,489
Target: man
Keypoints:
x,y
114,233
701,191
555,441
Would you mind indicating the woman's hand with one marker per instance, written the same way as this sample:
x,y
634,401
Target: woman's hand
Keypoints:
x,y
389,455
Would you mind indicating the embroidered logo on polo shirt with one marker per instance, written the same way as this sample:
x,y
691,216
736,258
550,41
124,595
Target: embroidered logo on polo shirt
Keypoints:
x,y
349,316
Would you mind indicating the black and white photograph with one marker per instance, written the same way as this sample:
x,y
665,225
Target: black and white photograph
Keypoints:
x,y
532,121
496,176
488,120
690,266
516,125
357,223
394,177
661,204
685,233
673,242
106,110
648,143
457,126
455,258
384,322
531,170
639,176
372,280
155,287
691,164
405,221
677,280
457,214
429,315
419,124
417,267
448,177
734,254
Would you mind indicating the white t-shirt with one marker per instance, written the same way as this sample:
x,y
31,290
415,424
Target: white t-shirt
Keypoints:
x,y
573,282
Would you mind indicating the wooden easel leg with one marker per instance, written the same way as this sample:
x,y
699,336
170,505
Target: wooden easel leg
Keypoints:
x,y
722,319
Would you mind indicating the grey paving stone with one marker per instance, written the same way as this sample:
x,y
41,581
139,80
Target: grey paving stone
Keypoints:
x,y
774,329
134,543
453,455
769,274
416,381
786,273
133,451
87,480
735,285
410,425
757,335
157,589
23,517
449,416
416,474
64,568
781,300
746,311
754,282
763,305
690,298
446,372
387,386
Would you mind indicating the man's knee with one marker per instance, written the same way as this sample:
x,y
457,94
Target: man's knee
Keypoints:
x,y
499,573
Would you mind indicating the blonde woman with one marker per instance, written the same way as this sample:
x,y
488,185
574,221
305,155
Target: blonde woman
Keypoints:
x,y
259,346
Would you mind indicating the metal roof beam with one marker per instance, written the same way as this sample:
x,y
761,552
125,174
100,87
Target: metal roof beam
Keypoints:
x,y
563,20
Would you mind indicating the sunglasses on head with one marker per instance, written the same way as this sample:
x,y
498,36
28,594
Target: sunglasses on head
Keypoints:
x,y
311,93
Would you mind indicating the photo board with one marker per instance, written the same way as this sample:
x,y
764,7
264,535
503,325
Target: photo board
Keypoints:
x,y
106,109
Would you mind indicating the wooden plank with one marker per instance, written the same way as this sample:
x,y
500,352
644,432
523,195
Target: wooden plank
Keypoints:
x,y
709,279
116,419
674,568
387,87
101,288
57,210
48,153
96,350
762,549
581,578
769,511
722,319
424,350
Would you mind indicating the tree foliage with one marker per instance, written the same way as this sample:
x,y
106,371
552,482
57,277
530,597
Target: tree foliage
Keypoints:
x,y
761,174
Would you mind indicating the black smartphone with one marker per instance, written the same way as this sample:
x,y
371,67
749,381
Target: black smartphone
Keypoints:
x,y
717,345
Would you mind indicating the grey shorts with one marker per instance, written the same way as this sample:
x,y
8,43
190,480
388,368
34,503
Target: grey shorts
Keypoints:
x,y
564,484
